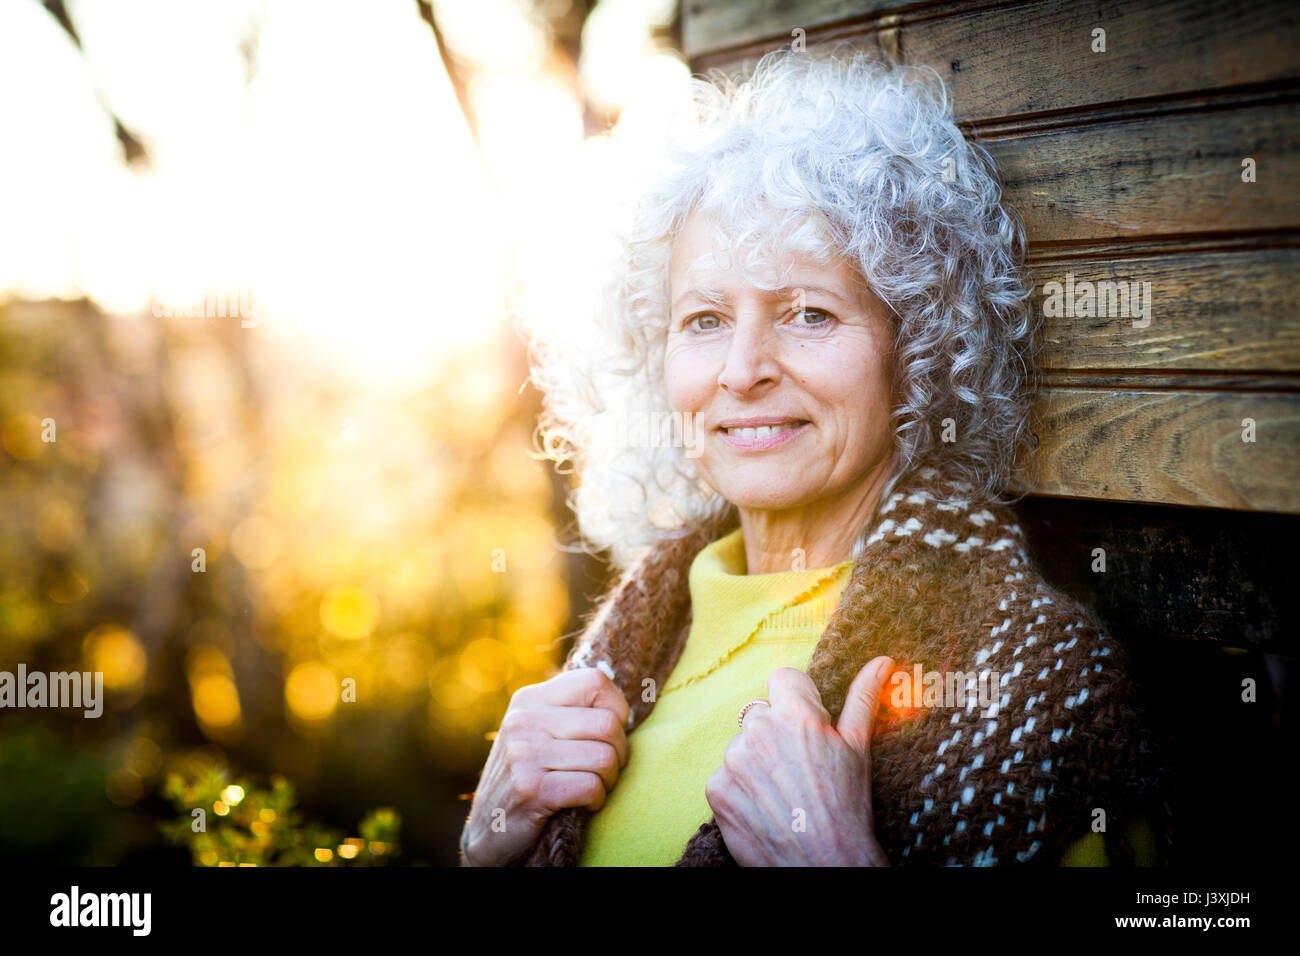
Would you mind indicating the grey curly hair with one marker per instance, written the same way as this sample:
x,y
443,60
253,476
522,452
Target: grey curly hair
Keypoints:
x,y
817,156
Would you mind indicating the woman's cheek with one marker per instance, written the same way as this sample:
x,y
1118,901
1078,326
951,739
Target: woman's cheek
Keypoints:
x,y
687,378
834,370
853,367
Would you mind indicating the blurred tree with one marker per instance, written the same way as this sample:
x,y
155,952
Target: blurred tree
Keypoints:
x,y
132,149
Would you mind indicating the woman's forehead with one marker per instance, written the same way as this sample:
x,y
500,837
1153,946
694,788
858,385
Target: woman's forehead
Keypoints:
x,y
708,256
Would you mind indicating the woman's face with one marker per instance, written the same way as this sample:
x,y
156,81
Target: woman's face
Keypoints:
x,y
812,368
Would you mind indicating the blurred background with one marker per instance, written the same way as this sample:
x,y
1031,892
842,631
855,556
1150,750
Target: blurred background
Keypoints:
x,y
268,272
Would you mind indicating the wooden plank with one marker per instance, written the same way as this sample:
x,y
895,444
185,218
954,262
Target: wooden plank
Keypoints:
x,y
1193,573
1158,175
1179,447
714,24
1151,380
1227,311
1036,57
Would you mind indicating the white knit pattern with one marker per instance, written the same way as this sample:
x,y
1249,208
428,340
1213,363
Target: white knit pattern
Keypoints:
x,y
999,652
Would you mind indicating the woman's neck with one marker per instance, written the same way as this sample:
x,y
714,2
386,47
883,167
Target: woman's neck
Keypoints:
x,y
816,535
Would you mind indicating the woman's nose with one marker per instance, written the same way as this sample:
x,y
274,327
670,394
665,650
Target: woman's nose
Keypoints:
x,y
750,363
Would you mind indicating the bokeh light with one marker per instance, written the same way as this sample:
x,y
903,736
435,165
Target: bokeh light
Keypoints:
x,y
303,533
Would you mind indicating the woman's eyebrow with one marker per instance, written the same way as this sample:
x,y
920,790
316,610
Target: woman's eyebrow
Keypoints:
x,y
788,293
711,296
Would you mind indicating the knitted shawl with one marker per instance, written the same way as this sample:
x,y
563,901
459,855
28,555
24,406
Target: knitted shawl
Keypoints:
x,y
943,582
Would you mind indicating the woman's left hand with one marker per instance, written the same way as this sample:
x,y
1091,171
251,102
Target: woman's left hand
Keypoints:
x,y
794,790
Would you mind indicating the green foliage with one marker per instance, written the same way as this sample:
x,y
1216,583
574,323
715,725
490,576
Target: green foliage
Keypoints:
x,y
52,804
244,825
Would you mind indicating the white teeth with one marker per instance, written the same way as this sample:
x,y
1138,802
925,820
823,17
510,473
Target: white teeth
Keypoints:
x,y
762,431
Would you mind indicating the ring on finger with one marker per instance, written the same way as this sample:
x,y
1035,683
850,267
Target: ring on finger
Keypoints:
x,y
740,718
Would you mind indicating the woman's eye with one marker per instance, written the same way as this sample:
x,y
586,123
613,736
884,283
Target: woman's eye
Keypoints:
x,y
702,322
809,317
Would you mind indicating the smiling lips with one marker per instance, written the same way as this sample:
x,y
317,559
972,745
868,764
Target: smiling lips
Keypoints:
x,y
757,434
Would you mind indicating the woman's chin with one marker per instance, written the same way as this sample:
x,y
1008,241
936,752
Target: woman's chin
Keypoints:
x,y
765,497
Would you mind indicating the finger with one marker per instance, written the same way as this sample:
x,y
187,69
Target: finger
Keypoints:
x,y
593,756
792,689
750,710
859,713
585,723
569,788
715,790
588,687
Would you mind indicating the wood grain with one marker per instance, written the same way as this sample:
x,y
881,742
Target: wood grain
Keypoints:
x,y
713,24
1033,57
1037,57
1157,175
1210,311
1171,446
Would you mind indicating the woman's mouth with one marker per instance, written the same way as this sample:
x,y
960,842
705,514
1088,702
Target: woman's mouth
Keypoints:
x,y
761,437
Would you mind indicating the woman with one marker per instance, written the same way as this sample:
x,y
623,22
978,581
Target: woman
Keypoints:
x,y
825,293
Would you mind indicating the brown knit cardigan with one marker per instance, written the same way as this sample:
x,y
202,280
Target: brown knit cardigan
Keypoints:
x,y
944,581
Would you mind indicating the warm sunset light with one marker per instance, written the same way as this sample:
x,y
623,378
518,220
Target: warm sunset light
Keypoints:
x,y
339,206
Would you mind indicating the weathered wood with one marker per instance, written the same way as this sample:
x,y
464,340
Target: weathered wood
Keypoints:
x,y
1183,380
1162,175
714,24
1032,57
1213,311
1169,446
1038,57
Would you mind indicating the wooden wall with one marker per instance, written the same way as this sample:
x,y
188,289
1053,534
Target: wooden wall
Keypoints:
x,y
1127,165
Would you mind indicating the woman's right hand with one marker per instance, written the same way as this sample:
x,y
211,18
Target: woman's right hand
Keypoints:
x,y
561,744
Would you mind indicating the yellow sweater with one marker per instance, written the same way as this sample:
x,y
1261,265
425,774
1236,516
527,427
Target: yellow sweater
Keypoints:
x,y
743,627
